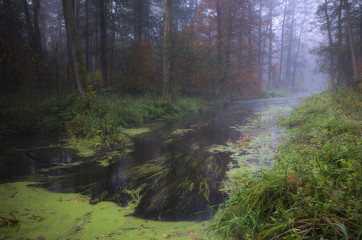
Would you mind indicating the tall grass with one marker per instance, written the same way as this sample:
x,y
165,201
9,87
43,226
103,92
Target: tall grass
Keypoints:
x,y
314,189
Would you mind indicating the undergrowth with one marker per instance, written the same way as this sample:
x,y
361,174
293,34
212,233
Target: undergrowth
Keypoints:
x,y
314,189
277,93
91,122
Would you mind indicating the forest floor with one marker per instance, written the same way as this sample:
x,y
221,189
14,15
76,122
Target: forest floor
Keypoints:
x,y
313,189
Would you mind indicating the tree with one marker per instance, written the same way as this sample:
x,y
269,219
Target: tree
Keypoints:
x,y
339,20
87,36
351,42
290,46
75,56
138,19
297,53
37,34
282,45
270,37
167,86
103,42
330,41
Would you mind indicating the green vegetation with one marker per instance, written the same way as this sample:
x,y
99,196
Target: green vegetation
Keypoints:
x,y
314,189
92,122
258,139
34,213
277,93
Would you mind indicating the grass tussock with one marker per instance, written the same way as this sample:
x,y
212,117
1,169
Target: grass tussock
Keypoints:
x,y
314,189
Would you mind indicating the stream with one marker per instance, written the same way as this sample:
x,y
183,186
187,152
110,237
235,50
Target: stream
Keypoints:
x,y
176,169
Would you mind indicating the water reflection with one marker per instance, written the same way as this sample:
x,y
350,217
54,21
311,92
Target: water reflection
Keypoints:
x,y
180,186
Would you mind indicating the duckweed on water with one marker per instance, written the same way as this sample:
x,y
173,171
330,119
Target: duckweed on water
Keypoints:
x,y
258,141
45,215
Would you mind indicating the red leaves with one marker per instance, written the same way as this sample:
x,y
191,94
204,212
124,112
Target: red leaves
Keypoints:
x,y
224,33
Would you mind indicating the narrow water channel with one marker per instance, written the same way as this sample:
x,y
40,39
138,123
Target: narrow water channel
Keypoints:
x,y
169,168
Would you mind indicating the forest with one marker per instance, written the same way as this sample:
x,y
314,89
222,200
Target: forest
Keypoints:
x,y
194,119
181,48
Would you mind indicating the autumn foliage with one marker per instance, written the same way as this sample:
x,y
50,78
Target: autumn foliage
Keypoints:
x,y
140,68
216,54
223,32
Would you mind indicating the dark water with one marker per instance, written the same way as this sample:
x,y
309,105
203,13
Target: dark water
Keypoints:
x,y
176,177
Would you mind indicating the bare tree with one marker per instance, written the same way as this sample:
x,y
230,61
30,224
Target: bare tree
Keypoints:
x,y
166,51
330,42
289,55
270,35
103,42
282,45
351,42
75,55
297,53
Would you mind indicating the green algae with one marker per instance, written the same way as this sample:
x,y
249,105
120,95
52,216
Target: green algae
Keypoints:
x,y
61,166
46,215
82,147
182,132
135,131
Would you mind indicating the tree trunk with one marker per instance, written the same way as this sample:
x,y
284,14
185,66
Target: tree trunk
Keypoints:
x,y
56,61
219,44
75,55
166,51
250,40
270,44
227,50
103,42
351,42
77,13
87,55
29,26
282,46
340,81
36,27
137,23
260,49
330,42
297,53
289,56
111,67
360,39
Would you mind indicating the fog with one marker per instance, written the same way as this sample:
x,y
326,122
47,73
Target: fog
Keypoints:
x,y
246,45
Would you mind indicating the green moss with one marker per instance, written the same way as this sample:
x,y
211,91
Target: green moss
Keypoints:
x,y
47,215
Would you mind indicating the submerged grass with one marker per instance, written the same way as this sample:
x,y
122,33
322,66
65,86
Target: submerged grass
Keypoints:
x,y
313,190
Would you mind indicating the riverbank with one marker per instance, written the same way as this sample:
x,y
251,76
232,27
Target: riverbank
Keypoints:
x,y
91,123
313,190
